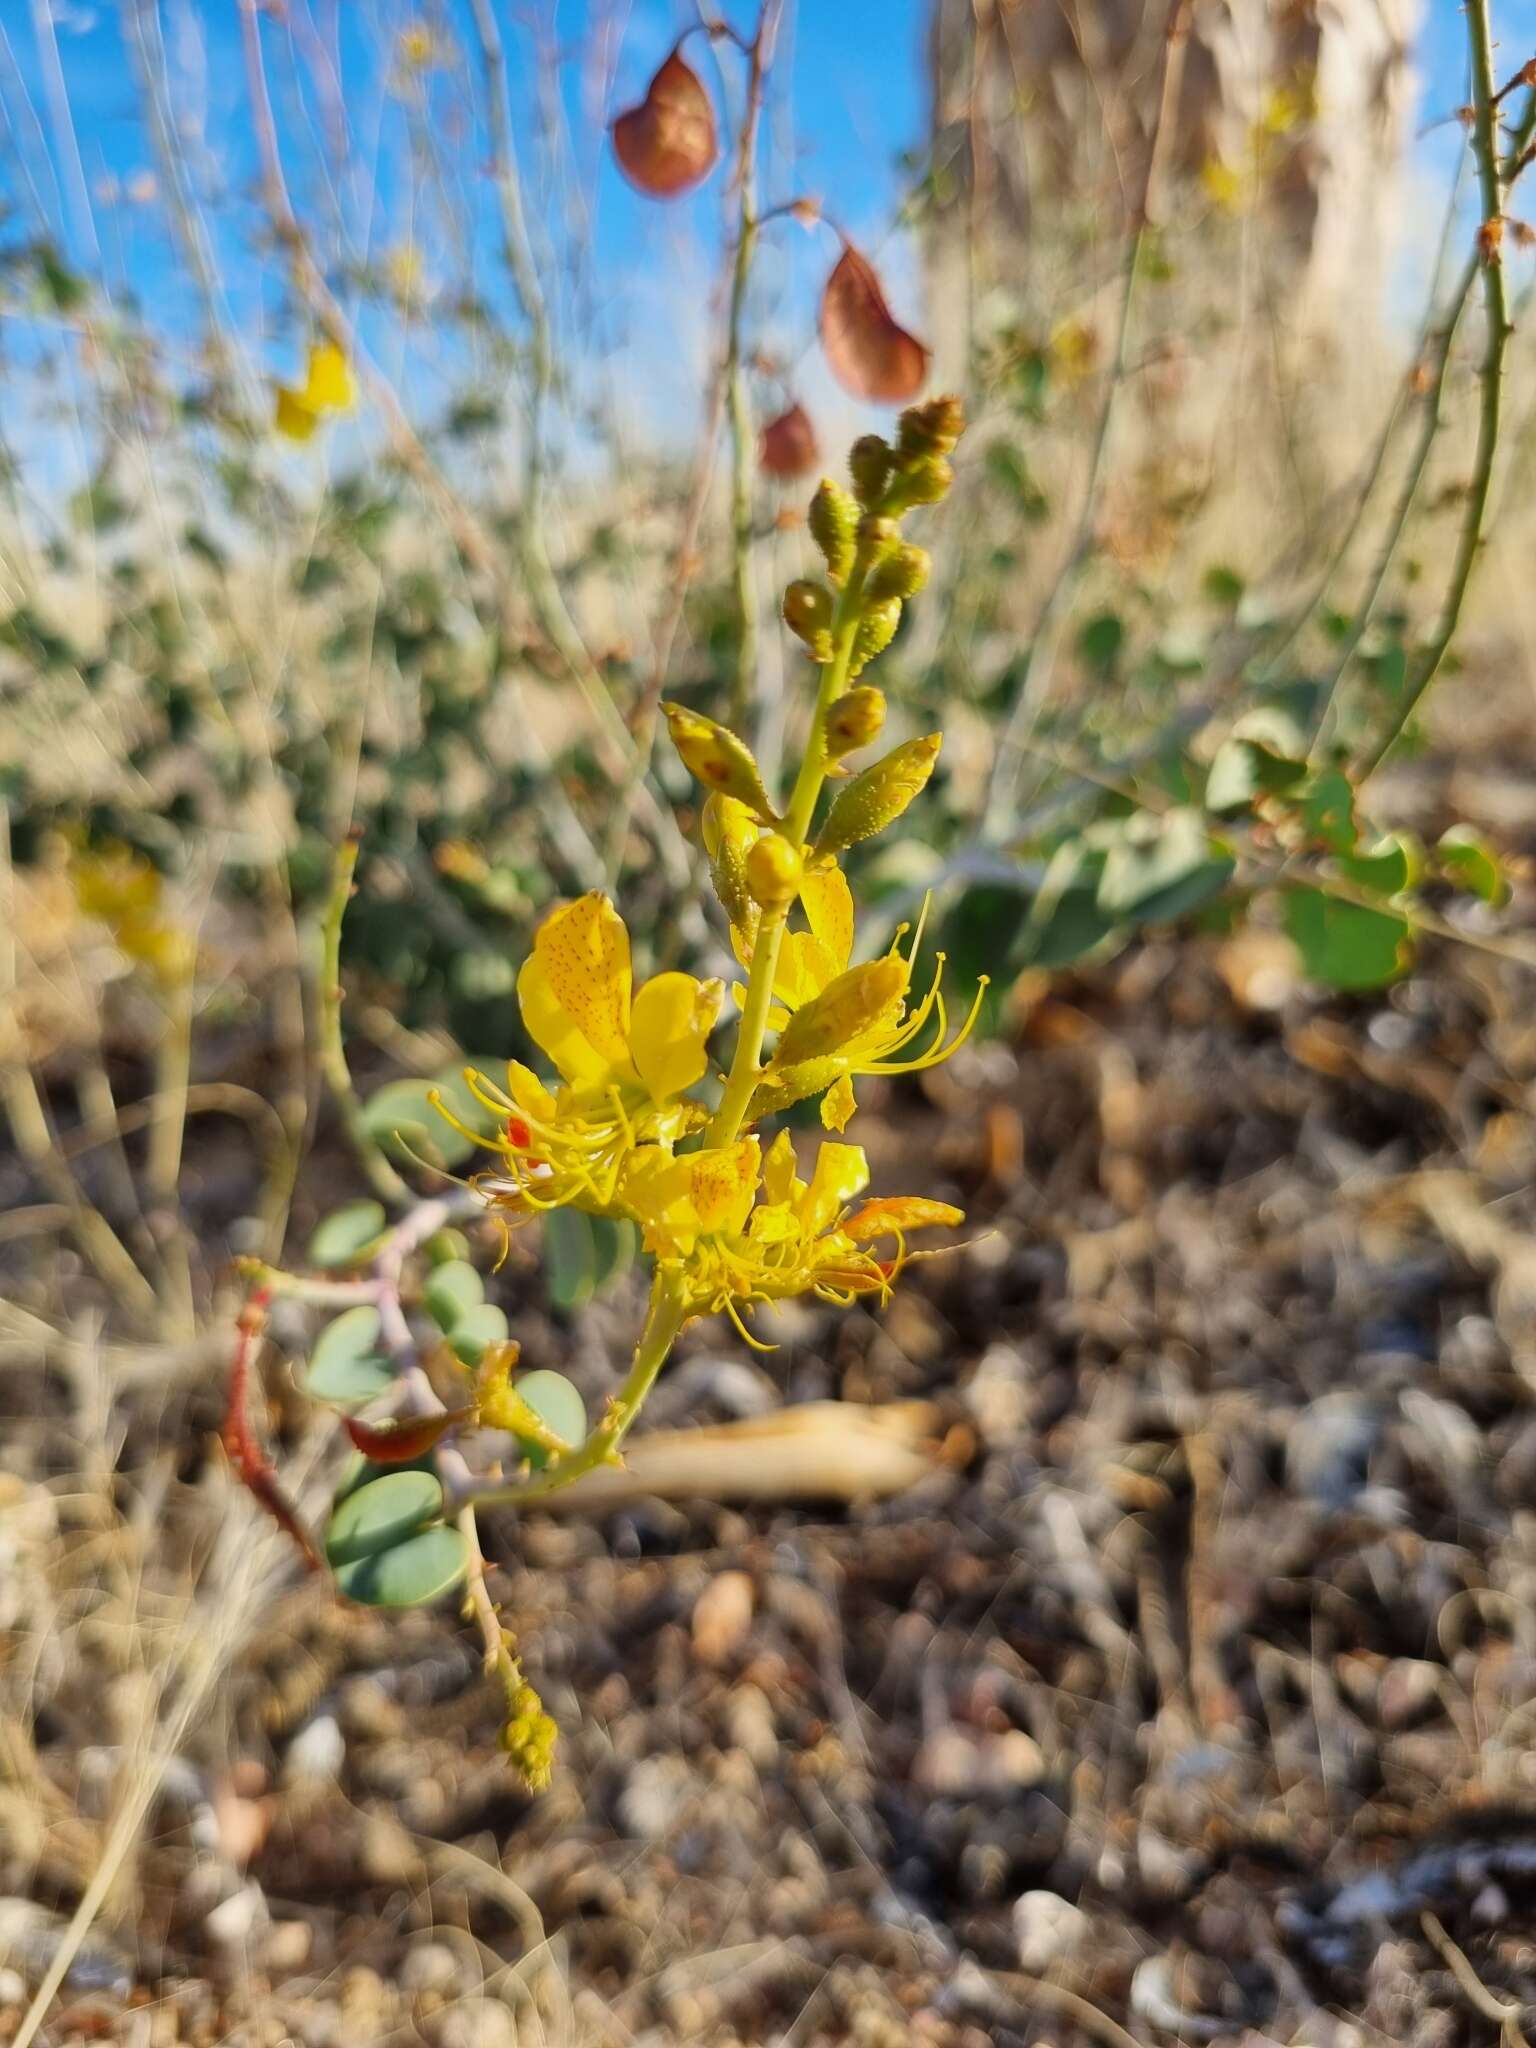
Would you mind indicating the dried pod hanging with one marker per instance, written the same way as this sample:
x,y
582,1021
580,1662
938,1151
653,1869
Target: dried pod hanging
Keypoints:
x,y
668,143
871,353
787,446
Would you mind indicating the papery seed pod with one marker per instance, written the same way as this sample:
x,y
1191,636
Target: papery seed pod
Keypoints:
x,y
787,448
921,482
719,759
849,1004
901,573
870,460
877,797
874,633
854,720
932,428
808,608
775,870
871,353
730,832
667,143
834,520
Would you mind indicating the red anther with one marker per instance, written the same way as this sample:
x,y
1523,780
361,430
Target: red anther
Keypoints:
x,y
518,1133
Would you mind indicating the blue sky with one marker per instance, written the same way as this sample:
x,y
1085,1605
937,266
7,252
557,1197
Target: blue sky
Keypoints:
x,y
850,105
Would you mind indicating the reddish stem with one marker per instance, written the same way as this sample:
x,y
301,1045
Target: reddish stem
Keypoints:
x,y
250,1461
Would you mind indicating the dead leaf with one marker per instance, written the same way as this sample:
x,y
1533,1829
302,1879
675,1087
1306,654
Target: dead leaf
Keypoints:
x,y
787,446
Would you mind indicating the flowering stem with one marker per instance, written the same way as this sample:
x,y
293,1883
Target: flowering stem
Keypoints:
x,y
746,1062
665,1317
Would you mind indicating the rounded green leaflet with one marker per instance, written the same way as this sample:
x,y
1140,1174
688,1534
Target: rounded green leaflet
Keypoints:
x,y
403,1121
345,1235
451,1291
476,1330
558,1406
410,1574
346,1368
359,1472
380,1516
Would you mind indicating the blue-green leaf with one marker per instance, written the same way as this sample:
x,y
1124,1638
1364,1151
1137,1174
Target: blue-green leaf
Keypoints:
x,y
409,1574
346,1367
346,1234
379,1516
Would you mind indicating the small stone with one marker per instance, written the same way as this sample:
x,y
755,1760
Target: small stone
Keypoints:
x,y
722,1617
1409,1692
655,1798
232,1923
472,2023
288,1947
13,1988
998,1395
954,1763
429,1966
318,1750
1047,1928
750,1727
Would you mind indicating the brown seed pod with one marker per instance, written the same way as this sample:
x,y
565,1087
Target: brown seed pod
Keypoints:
x,y
787,448
871,353
667,143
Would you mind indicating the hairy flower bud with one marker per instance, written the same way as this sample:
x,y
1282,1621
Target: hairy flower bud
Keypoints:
x,y
869,464
808,608
775,870
834,520
719,759
921,482
854,720
874,633
874,799
730,832
901,573
849,1004
932,428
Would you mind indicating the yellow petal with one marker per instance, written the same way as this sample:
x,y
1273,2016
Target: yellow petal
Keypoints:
x,y
554,1031
328,386
863,999
723,1184
583,954
806,964
838,1104
779,1169
828,905
529,1092
673,1016
841,1173
292,416
890,1213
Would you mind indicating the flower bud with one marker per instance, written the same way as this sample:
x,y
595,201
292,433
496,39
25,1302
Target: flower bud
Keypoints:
x,y
808,611
932,428
834,520
877,797
730,831
775,870
719,759
869,464
901,573
849,1004
874,633
854,720
922,482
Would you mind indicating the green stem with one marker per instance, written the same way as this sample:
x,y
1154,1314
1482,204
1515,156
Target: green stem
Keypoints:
x,y
667,1313
1490,376
382,1177
746,1061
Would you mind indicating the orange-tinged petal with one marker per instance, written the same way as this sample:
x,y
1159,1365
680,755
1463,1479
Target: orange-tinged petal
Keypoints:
x,y
888,1214
583,952
673,1017
841,1172
723,1183
828,902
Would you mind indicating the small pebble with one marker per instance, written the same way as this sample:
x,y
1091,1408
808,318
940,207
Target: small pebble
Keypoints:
x,y
722,1617
232,1923
1047,1928
429,1966
318,1750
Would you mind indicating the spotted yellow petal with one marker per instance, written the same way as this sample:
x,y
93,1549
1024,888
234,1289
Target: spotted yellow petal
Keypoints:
x,y
582,954
723,1183
841,1172
673,1017
828,905
888,1214
554,1030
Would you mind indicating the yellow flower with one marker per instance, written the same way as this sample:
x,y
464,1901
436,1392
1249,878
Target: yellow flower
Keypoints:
x,y
328,387
701,1215
121,890
835,1021
625,1057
